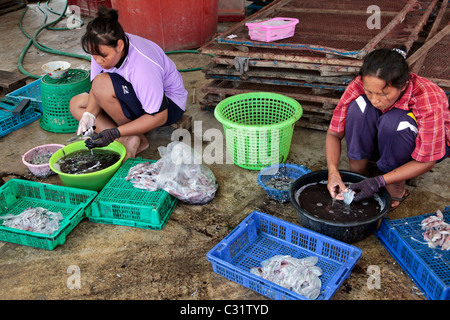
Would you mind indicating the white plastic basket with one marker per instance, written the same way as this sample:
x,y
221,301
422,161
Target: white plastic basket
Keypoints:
x,y
40,170
272,29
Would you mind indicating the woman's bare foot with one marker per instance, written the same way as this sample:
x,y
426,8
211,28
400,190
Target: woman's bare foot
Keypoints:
x,y
396,190
131,144
143,144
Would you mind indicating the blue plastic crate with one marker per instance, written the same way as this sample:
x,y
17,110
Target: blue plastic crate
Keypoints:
x,y
286,170
10,122
429,268
261,236
30,91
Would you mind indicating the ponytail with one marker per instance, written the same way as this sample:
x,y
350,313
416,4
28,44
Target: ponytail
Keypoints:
x,y
105,29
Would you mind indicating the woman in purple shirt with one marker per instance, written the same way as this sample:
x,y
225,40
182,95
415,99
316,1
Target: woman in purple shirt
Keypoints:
x,y
135,87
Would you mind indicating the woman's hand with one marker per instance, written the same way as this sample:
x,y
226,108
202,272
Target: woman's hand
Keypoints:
x,y
103,138
335,185
367,188
333,153
86,124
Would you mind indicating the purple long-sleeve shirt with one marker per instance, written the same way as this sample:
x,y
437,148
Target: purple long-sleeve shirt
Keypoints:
x,y
151,72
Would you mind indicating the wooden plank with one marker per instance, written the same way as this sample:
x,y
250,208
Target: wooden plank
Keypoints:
x,y
308,125
271,54
278,82
324,69
333,11
284,74
441,82
11,80
310,118
430,43
229,88
415,32
309,110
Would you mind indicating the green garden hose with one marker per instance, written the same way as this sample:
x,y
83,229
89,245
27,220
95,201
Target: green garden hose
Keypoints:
x,y
33,41
40,46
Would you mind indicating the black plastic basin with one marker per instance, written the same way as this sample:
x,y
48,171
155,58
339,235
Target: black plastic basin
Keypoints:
x,y
344,231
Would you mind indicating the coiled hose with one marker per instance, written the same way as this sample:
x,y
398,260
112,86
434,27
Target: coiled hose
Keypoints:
x,y
33,41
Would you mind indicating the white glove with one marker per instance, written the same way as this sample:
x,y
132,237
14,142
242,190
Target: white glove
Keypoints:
x,y
86,123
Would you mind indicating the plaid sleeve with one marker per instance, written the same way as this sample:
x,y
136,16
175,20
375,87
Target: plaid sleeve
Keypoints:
x,y
353,91
431,111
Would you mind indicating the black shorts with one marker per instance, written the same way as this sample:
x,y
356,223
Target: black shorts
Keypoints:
x,y
132,107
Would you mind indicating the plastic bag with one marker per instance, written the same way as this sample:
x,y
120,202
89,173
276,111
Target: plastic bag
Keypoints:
x,y
178,174
298,275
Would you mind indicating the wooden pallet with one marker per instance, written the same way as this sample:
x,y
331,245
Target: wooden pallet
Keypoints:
x,y
317,108
323,56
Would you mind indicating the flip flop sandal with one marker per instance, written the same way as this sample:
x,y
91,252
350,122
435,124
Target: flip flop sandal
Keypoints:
x,y
400,200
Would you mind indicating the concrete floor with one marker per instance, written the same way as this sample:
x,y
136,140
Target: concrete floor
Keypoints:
x,y
118,262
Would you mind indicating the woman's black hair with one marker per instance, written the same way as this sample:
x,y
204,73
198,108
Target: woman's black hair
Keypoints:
x,y
387,64
105,29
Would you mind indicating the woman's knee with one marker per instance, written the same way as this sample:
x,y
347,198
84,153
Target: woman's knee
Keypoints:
x,y
398,121
356,109
78,104
396,139
102,86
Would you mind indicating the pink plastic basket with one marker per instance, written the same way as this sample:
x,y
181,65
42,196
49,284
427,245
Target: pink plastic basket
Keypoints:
x,y
273,29
45,151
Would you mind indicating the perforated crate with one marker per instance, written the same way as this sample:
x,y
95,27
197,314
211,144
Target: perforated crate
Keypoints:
x,y
120,203
17,195
56,95
429,268
258,127
273,29
31,91
261,236
281,170
10,122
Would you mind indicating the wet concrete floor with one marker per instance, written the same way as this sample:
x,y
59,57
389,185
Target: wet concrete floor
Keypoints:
x,y
120,262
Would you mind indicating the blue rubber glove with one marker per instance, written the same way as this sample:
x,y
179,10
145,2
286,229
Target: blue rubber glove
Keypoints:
x,y
367,188
103,138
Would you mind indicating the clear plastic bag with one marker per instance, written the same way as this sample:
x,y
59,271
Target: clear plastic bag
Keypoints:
x,y
178,173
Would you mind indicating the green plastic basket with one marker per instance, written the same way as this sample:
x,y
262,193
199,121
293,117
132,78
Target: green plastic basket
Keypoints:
x,y
56,95
17,195
258,127
120,203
